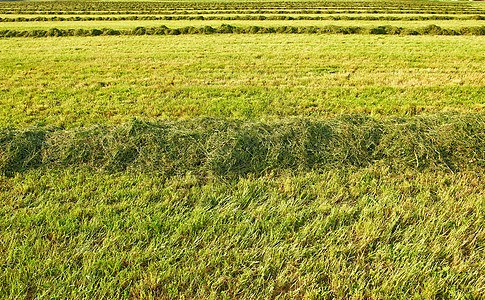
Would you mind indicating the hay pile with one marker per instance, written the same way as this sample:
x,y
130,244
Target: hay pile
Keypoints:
x,y
453,142
230,29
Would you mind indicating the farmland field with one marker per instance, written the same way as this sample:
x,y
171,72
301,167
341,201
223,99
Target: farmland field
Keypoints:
x,y
129,24
233,150
76,81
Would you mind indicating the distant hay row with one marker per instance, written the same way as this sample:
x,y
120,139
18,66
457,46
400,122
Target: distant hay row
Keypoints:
x,y
155,6
238,7
280,11
450,142
241,17
226,29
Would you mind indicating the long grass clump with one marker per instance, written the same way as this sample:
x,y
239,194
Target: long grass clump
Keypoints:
x,y
452,142
247,7
226,29
240,17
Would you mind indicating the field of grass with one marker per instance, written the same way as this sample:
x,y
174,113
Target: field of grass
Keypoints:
x,y
454,24
121,7
353,234
242,166
77,81
262,16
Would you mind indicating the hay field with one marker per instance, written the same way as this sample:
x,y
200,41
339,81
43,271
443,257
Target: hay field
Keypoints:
x,y
242,150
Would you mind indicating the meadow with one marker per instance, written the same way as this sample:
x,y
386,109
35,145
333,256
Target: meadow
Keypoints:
x,y
273,150
72,81
130,24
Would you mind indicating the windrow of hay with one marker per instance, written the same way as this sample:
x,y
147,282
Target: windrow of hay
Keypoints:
x,y
225,29
185,7
242,17
453,142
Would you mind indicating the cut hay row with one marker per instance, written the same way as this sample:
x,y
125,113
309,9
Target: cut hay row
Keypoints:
x,y
244,17
320,11
155,5
81,7
228,29
449,142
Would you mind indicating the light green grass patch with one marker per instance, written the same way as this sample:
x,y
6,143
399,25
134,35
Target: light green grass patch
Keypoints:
x,y
451,24
85,80
365,234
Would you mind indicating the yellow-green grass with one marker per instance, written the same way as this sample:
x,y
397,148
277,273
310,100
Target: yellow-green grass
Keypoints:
x,y
209,14
321,7
215,147
218,11
449,24
73,81
355,234
343,207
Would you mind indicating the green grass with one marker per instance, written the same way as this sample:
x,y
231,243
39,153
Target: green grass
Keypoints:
x,y
77,81
209,15
453,24
214,147
357,234
343,208
242,166
86,7
230,29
